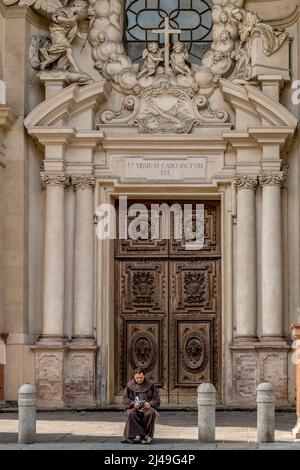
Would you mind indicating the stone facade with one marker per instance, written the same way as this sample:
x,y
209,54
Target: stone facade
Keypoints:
x,y
85,133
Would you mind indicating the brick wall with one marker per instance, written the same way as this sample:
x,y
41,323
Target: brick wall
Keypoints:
x,y
1,382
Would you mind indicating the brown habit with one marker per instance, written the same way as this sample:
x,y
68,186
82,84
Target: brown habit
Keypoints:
x,y
140,423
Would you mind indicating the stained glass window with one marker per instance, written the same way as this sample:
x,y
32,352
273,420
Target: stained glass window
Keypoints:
x,y
193,17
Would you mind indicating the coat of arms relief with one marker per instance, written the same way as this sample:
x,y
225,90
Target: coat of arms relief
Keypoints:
x,y
165,91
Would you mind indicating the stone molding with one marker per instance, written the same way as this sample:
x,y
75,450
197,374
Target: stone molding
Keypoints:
x,y
55,179
245,182
272,179
83,182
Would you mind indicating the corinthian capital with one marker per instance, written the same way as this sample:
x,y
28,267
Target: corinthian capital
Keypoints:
x,y
245,182
55,179
272,179
83,182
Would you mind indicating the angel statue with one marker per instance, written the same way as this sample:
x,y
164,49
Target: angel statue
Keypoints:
x,y
250,26
179,58
56,53
152,58
63,30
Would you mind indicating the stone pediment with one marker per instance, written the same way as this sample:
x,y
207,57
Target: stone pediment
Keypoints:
x,y
65,109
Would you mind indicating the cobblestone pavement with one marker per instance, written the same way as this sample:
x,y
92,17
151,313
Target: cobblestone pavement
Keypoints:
x,y
174,431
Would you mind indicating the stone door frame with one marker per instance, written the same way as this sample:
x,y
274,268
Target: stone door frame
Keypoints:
x,y
107,191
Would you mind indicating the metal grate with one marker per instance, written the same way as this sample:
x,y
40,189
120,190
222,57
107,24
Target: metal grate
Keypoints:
x,y
193,17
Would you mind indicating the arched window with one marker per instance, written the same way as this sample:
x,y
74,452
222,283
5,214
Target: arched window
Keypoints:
x,y
193,17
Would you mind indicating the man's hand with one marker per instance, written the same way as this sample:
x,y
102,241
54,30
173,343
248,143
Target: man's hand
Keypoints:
x,y
147,406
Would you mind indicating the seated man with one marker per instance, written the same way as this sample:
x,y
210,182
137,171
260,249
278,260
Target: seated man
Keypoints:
x,y
141,399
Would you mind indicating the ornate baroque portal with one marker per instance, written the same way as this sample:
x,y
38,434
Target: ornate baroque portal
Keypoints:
x,y
168,311
166,101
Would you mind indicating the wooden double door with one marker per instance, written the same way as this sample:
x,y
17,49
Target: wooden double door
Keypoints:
x,y
167,310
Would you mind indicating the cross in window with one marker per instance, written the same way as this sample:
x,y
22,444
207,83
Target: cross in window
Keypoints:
x,y
167,32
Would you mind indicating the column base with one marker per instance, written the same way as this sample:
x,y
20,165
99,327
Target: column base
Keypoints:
x,y
245,339
254,363
49,371
273,339
80,373
51,340
296,430
82,341
66,374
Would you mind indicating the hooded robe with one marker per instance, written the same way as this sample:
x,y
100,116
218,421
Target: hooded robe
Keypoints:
x,y
140,422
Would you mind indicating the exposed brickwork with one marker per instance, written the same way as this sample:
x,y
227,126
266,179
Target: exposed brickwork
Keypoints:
x,y
246,367
66,378
253,367
49,375
1,382
80,378
274,370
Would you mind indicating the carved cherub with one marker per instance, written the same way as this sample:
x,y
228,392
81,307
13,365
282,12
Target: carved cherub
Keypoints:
x,y
179,57
152,57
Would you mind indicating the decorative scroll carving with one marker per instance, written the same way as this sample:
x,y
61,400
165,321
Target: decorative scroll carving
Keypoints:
x,y
83,182
165,108
195,351
272,179
143,351
143,287
194,287
246,182
56,179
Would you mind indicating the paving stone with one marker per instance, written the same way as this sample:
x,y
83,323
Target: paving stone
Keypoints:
x,y
177,430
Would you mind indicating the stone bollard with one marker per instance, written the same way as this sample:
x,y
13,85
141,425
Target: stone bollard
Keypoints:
x,y
265,413
27,414
206,413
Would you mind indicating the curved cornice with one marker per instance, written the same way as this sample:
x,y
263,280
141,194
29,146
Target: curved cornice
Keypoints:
x,y
66,104
254,102
287,21
74,100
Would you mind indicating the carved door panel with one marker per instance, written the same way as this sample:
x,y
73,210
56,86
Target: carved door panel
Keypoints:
x,y
193,351
142,322
167,312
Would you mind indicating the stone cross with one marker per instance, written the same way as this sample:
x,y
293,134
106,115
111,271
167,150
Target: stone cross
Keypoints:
x,y
167,32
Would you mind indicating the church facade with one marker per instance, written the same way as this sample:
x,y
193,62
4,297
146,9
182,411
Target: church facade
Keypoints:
x,y
109,110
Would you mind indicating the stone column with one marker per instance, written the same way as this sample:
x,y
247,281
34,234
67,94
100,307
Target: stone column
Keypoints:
x,y
272,264
54,263
296,361
246,300
84,259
